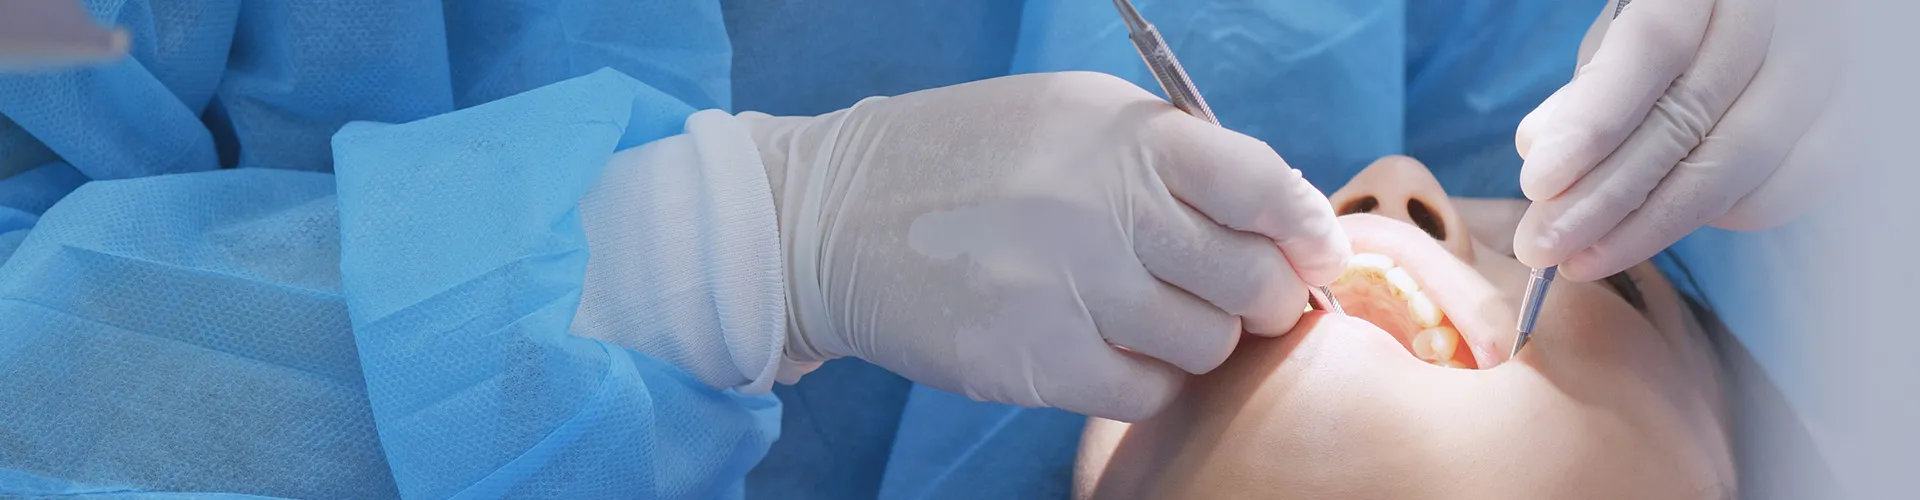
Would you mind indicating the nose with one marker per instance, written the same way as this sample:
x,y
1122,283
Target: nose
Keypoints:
x,y
1402,188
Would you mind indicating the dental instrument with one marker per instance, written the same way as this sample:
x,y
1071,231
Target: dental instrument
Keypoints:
x,y
1537,284
1540,279
1181,92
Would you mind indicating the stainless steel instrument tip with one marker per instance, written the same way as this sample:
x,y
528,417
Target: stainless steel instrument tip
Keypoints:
x,y
1326,299
1537,285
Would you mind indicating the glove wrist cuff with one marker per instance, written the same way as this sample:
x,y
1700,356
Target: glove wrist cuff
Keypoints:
x,y
796,152
684,259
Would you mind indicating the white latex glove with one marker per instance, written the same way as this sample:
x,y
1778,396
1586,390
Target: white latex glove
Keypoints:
x,y
992,238
50,34
1683,113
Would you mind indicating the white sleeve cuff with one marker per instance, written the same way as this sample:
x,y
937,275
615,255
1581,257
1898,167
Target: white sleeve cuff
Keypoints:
x,y
684,257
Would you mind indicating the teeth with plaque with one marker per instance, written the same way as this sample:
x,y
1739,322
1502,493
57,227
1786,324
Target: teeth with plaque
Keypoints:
x,y
1376,289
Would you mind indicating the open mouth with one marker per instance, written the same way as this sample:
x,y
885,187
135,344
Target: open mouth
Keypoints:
x,y
1401,280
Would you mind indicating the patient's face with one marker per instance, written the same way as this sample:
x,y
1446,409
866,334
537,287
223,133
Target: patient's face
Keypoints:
x,y
1616,396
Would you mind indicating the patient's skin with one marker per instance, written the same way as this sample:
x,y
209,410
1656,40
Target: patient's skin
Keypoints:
x,y
1607,401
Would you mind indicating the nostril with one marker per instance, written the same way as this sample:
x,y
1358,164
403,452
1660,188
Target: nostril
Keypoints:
x,y
1360,206
1426,219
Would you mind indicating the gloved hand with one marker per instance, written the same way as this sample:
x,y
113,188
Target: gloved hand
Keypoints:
x,y
1684,113
992,238
50,34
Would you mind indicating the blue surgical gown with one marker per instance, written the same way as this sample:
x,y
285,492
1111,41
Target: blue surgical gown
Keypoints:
x,y
208,287
215,287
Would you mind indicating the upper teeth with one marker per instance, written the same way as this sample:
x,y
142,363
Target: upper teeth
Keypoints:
x,y
1367,261
1425,313
1403,284
1436,340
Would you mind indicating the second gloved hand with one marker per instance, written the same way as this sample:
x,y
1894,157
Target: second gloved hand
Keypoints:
x,y
994,238
1684,113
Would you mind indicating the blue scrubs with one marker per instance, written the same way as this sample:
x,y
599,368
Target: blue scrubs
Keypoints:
x,y
317,315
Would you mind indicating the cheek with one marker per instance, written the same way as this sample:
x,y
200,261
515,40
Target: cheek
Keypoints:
x,y
1613,434
1582,321
1590,325
1344,412
1507,275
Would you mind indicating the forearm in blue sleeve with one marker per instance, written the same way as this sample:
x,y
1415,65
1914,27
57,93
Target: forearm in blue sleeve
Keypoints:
x,y
463,260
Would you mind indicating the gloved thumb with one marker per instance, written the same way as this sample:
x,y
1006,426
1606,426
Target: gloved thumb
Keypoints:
x,y
1530,126
1241,183
1590,43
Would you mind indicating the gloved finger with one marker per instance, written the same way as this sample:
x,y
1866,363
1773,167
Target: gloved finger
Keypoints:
x,y
1645,49
1099,380
1530,124
1161,321
1725,63
1786,122
1552,230
1238,273
1728,59
1741,153
1590,42
1239,182
1694,193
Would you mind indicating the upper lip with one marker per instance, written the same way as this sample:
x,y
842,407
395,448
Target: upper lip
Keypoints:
x,y
1472,303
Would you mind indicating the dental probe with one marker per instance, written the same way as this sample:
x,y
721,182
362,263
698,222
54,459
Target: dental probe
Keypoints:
x,y
1541,279
1180,90
1537,284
